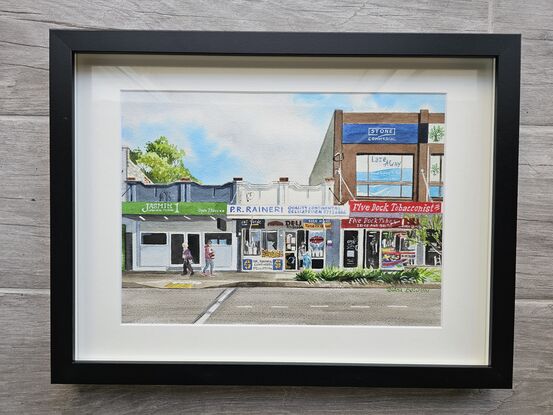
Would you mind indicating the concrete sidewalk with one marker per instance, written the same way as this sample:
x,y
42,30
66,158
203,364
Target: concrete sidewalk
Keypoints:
x,y
226,279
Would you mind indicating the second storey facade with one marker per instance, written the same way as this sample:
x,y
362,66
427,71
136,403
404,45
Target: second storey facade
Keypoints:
x,y
395,156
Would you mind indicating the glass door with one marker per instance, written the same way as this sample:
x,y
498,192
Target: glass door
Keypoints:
x,y
350,248
193,240
316,245
177,239
372,249
290,244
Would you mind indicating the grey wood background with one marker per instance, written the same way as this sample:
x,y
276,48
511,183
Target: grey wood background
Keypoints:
x,y
24,202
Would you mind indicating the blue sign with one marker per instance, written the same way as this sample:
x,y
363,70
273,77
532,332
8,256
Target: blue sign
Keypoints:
x,y
278,264
247,264
380,134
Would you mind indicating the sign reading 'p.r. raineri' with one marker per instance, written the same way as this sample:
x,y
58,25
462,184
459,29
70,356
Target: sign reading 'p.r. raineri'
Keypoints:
x,y
298,211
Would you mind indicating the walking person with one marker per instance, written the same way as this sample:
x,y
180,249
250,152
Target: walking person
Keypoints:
x,y
209,255
187,260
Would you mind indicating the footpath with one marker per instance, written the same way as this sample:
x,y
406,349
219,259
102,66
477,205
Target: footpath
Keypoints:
x,y
227,279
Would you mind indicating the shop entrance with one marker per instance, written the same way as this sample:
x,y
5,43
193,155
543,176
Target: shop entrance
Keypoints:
x,y
316,245
351,248
193,241
291,250
261,247
372,249
297,242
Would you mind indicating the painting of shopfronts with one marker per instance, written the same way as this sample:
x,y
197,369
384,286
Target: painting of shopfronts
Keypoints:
x,y
348,181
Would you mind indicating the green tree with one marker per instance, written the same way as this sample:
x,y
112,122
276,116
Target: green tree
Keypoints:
x,y
436,133
162,161
428,231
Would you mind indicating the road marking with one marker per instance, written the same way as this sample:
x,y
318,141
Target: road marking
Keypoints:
x,y
178,285
222,297
360,306
397,306
279,306
243,306
318,306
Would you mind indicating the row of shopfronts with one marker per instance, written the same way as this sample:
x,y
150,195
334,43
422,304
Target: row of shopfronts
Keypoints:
x,y
376,177
276,238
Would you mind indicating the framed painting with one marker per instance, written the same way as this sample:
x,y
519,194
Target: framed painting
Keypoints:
x,y
283,208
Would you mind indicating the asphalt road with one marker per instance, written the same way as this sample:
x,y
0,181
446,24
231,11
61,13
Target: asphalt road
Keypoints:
x,y
153,305
309,306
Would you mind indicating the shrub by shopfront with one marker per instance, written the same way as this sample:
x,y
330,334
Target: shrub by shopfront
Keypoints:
x,y
415,275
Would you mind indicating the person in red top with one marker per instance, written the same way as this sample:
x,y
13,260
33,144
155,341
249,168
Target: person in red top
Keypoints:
x,y
209,255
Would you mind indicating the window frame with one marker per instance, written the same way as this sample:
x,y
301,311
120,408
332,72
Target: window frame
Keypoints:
x,y
439,183
161,233
400,183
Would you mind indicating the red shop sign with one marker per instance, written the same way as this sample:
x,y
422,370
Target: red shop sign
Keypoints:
x,y
380,223
357,206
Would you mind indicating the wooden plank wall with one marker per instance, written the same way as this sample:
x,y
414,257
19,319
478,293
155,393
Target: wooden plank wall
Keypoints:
x,y
24,202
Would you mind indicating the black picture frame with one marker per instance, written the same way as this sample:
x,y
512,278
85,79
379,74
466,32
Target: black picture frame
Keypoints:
x,y
504,48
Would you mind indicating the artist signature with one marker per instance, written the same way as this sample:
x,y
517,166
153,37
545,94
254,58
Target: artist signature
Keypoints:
x,y
407,290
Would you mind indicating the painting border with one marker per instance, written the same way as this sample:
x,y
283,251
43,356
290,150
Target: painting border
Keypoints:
x,y
503,48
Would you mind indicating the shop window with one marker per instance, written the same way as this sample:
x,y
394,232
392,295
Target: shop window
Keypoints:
x,y
252,242
317,244
433,255
270,240
435,176
384,176
218,238
154,239
436,133
398,249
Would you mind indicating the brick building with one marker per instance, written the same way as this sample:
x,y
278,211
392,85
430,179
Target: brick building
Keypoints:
x,y
374,158
353,136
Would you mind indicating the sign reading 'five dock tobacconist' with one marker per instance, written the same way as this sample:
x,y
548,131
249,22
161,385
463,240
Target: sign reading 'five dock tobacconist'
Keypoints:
x,y
358,208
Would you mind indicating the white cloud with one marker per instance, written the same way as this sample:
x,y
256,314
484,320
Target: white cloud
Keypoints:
x,y
272,134
269,132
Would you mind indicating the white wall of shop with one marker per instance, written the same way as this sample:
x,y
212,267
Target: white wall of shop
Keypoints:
x,y
283,193
158,257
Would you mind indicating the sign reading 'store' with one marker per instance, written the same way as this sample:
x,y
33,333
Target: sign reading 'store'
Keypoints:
x,y
380,133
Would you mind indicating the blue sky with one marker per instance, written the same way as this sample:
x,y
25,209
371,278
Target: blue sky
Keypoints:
x,y
257,136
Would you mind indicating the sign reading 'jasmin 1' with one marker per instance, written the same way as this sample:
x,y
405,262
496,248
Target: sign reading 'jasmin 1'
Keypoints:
x,y
174,208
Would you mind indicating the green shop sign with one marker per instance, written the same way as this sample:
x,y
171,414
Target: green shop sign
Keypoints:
x,y
174,208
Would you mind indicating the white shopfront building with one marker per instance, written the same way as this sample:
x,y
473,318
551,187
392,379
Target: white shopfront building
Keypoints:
x,y
157,234
278,222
